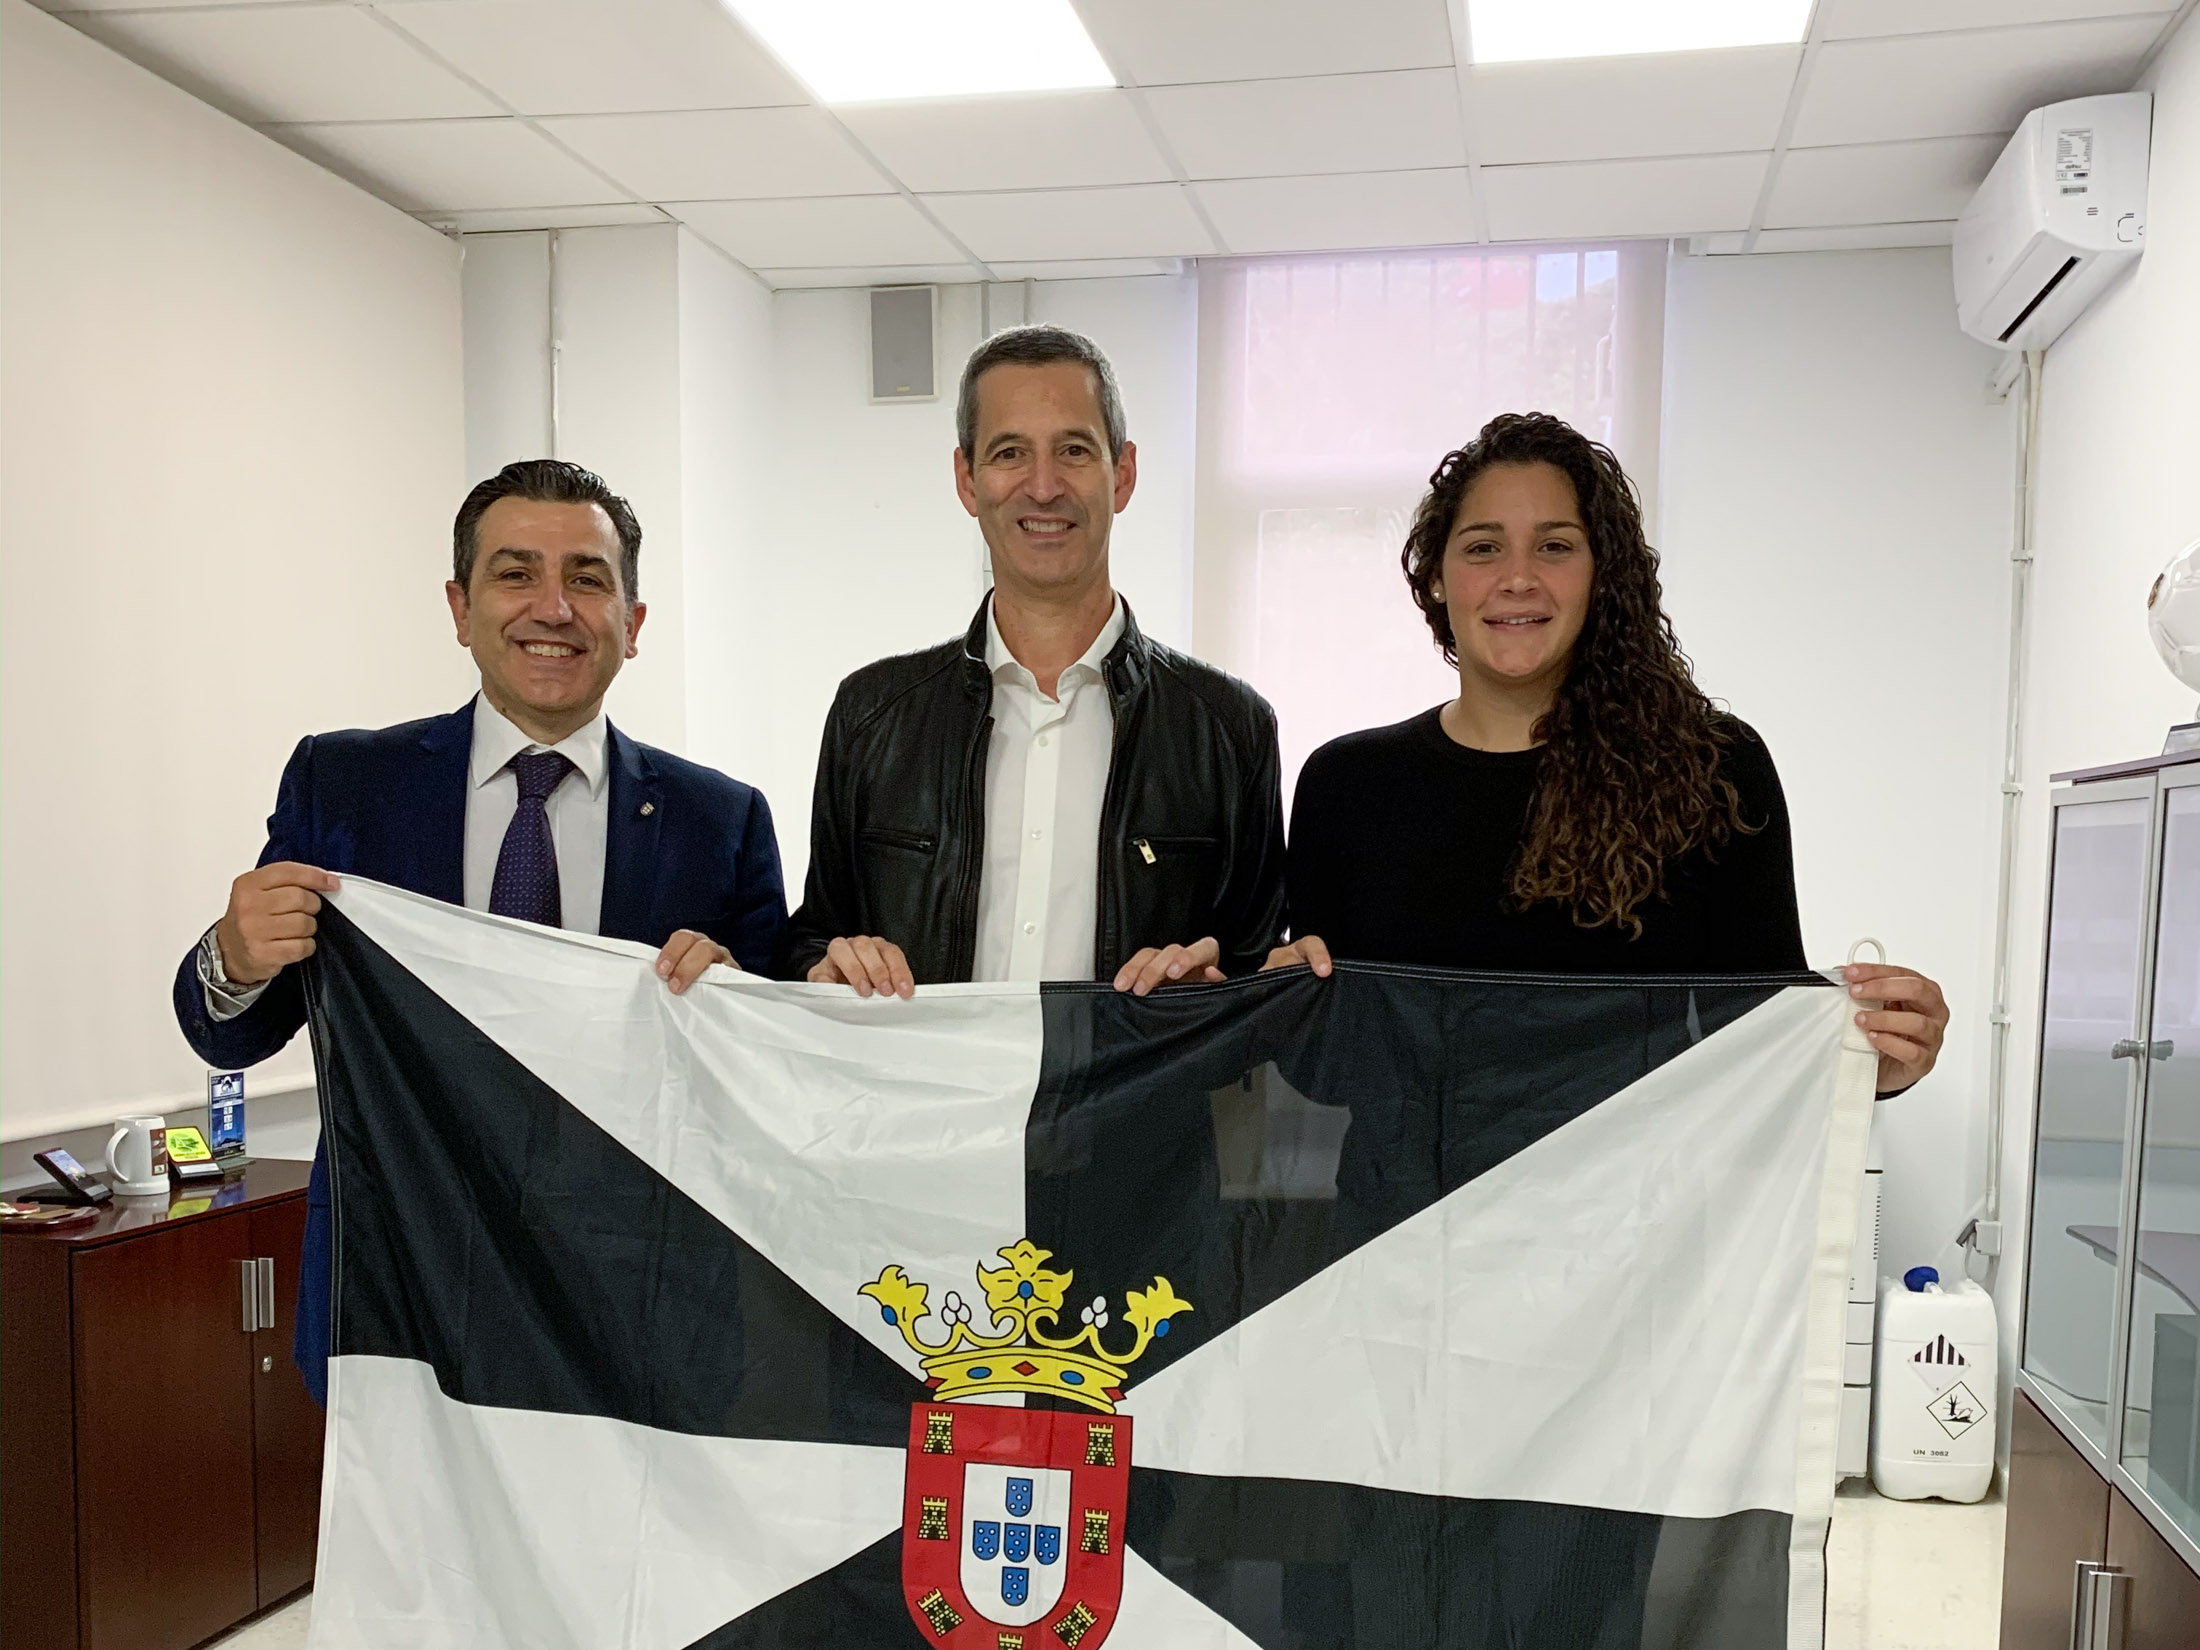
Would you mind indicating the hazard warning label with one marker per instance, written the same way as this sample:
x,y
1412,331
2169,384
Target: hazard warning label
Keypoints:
x,y
1957,1410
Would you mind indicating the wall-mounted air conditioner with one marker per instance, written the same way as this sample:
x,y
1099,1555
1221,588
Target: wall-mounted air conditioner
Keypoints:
x,y
2062,212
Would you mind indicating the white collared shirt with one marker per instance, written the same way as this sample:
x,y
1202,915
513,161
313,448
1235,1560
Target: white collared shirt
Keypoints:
x,y
579,811
1046,776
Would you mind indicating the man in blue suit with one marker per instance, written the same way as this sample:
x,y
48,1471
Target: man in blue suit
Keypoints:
x,y
525,802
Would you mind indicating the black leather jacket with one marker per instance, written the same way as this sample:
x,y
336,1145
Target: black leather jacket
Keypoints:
x,y
1191,828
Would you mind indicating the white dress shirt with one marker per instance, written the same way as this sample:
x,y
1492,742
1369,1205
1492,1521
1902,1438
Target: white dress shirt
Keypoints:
x,y
1046,776
579,811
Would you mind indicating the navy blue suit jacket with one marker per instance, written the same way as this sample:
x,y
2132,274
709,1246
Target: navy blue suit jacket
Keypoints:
x,y
684,847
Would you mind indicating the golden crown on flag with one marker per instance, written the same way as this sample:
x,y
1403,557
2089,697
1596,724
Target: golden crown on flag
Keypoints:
x,y
1017,1356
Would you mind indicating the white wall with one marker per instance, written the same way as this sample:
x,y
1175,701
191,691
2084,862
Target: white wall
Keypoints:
x,y
726,471
231,403
1835,525
2119,431
506,283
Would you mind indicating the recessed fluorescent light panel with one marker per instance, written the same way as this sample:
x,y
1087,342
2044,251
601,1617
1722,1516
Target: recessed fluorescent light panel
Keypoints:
x,y
1528,31
863,51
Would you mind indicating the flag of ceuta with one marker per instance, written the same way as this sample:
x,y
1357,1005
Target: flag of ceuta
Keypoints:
x,y
1015,1516
1398,1308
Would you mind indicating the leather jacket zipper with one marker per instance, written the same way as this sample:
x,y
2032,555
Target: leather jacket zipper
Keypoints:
x,y
1153,849
1107,911
893,838
973,844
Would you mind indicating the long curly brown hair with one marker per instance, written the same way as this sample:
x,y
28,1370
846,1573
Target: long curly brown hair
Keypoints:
x,y
1630,774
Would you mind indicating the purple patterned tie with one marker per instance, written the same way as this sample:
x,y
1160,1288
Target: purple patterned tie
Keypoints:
x,y
526,883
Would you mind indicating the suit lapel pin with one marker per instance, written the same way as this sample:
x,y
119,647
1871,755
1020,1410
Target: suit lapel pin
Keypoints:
x,y
648,808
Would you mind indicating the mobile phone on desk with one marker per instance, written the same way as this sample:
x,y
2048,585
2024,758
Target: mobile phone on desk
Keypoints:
x,y
76,1183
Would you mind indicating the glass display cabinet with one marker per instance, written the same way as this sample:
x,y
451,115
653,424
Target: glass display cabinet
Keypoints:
x,y
2110,1347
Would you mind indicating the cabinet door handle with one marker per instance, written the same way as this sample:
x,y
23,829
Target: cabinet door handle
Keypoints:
x,y
2130,1048
265,1268
2100,1602
248,1275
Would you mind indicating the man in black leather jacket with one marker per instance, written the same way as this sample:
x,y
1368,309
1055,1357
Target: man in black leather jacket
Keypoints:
x,y
1051,795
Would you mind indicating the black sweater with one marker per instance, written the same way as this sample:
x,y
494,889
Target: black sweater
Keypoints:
x,y
1402,843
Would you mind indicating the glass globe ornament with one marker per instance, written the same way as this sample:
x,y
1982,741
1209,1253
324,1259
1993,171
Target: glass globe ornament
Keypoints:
x,y
2173,615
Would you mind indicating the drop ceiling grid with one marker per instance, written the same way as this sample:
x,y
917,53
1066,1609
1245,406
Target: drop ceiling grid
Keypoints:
x,y
1274,125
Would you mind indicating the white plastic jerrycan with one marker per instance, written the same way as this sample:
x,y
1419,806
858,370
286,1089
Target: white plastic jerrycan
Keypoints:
x,y
1933,1389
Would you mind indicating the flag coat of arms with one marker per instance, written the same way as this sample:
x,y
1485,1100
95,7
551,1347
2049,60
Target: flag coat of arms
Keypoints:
x,y
1399,1308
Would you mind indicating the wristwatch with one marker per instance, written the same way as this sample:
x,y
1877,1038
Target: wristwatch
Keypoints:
x,y
212,972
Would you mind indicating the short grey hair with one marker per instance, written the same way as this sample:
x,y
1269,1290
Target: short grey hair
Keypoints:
x,y
1037,346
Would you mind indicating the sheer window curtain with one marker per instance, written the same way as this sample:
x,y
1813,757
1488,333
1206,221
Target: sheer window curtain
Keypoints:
x,y
1328,389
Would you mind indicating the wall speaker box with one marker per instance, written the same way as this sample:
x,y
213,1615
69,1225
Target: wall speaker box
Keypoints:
x,y
902,357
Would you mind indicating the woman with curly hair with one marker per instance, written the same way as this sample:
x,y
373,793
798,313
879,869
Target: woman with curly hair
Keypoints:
x,y
1581,807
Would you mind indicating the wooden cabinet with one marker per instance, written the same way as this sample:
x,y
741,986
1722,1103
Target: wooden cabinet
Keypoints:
x,y
2062,1512
2165,1595
2105,1444
2058,1514
286,1422
163,1445
160,1459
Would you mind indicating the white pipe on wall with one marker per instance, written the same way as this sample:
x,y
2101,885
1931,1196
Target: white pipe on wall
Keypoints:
x,y
1982,1234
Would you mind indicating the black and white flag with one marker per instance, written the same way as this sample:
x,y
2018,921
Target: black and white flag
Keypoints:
x,y
1400,1308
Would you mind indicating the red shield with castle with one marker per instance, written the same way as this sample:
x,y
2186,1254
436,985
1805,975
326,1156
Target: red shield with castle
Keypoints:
x,y
1012,1525
1012,1519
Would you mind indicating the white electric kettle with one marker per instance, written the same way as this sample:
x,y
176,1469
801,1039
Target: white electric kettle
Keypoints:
x,y
137,1156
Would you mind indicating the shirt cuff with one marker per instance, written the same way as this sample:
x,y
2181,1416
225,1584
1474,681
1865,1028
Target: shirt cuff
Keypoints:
x,y
223,1002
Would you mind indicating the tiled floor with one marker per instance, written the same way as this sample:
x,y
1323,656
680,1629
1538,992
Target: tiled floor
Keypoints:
x,y
1913,1575
282,1628
1903,1575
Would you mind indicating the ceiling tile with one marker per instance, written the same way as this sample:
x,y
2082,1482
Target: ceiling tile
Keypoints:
x,y
1147,220
502,220
1948,85
1606,108
451,165
723,154
568,57
1848,19
292,63
1045,140
1385,122
1880,182
1333,213
1159,42
1596,200
1090,269
843,231
871,275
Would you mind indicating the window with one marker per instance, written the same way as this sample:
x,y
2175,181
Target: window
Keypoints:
x,y
1329,389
